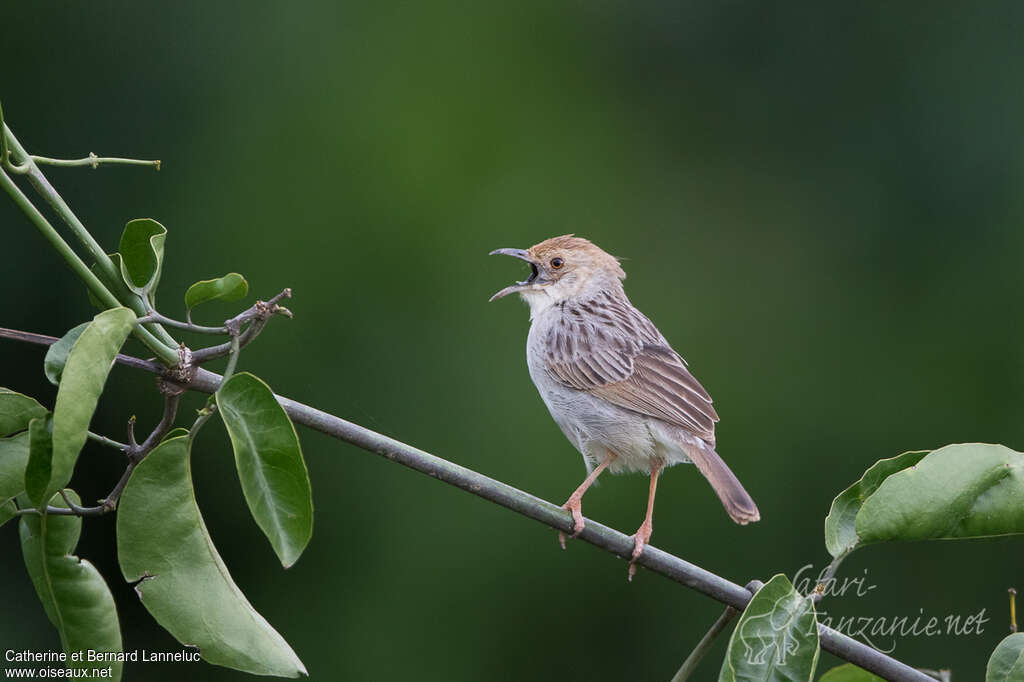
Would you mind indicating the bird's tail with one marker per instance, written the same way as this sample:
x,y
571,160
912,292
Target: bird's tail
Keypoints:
x,y
730,491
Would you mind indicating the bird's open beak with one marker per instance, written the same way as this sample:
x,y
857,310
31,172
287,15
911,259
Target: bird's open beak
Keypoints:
x,y
533,279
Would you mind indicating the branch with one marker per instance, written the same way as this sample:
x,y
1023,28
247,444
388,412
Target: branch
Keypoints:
x,y
256,317
612,541
137,452
154,316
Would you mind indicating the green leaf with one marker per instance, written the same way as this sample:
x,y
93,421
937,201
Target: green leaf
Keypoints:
x,y
230,287
840,532
13,458
85,373
1007,661
57,355
776,639
39,467
74,595
175,433
7,511
270,465
16,411
958,491
163,542
849,673
142,254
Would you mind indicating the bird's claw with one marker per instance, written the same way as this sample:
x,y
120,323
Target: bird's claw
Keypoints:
x,y
640,540
574,507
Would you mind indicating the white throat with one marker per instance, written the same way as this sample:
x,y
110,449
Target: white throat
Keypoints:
x,y
539,300
542,298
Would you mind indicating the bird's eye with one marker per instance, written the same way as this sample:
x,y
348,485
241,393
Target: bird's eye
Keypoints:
x,y
557,263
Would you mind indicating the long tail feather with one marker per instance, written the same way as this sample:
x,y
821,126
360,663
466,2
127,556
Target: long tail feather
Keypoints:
x,y
730,491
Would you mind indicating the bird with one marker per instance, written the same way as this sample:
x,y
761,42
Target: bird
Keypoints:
x,y
614,386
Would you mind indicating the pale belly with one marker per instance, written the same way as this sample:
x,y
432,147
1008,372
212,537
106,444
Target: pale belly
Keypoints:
x,y
595,427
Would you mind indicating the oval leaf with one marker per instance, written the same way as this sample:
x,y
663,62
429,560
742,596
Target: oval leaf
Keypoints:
x,y
85,373
16,411
1007,661
958,491
776,639
57,354
13,458
849,673
230,287
142,254
74,594
270,464
189,590
39,467
840,532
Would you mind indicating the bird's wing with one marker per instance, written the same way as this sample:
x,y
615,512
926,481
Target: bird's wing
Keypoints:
x,y
611,350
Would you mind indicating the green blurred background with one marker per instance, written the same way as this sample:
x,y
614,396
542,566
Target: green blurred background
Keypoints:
x,y
819,205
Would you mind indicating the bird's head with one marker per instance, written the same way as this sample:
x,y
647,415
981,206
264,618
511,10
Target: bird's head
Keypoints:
x,y
562,268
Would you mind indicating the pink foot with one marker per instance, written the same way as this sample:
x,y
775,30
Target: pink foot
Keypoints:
x,y
640,540
574,505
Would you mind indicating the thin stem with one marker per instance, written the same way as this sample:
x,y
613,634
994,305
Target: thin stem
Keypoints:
x,y
208,411
136,453
612,541
154,316
172,396
106,266
821,589
131,433
256,317
1013,609
702,648
232,358
109,442
43,186
78,510
62,511
94,161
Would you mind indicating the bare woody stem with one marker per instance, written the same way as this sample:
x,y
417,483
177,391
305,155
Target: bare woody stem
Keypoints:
x,y
154,316
612,541
255,317
135,452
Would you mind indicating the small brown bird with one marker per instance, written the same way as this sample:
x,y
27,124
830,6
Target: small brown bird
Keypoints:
x,y
611,381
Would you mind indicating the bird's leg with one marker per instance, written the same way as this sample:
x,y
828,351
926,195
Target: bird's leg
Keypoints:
x,y
643,533
574,504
